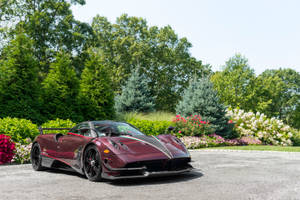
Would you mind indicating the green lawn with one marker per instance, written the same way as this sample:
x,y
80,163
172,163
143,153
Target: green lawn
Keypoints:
x,y
259,148
153,116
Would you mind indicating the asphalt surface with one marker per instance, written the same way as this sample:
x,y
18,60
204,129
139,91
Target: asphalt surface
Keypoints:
x,y
222,175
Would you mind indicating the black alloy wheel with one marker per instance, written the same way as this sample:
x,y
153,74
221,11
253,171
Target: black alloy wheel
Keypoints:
x,y
92,164
36,159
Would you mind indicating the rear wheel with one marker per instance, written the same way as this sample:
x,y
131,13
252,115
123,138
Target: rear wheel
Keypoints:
x,y
36,159
92,164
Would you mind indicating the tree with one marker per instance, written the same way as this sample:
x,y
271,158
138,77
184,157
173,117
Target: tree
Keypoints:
x,y
19,86
200,98
49,23
136,96
60,89
235,83
283,93
163,56
96,94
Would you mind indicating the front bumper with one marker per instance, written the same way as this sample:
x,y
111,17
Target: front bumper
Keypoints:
x,y
141,172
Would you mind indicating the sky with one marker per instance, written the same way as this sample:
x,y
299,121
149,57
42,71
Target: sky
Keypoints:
x,y
266,32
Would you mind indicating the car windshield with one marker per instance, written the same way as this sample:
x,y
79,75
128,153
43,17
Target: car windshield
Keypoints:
x,y
116,129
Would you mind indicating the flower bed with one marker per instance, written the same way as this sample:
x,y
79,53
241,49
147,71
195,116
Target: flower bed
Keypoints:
x,y
191,126
213,140
22,153
268,131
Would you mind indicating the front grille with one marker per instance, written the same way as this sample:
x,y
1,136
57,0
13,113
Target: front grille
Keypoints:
x,y
161,165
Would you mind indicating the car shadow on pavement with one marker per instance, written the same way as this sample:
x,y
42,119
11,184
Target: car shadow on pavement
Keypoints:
x,y
64,171
158,180
136,181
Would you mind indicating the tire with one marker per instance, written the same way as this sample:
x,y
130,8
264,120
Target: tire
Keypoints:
x,y
36,159
92,164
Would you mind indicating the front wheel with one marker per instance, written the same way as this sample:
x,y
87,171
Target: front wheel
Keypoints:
x,y
35,156
92,164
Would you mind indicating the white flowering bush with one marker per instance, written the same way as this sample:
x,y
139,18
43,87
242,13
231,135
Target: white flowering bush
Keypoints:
x,y
22,153
268,131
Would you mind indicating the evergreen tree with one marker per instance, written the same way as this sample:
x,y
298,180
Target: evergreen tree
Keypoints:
x,y
19,86
96,94
60,89
135,95
201,99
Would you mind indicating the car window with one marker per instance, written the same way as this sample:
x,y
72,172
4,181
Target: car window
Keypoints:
x,y
103,129
85,131
123,128
82,129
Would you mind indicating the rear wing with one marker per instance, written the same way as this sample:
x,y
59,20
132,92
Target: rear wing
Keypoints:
x,y
42,129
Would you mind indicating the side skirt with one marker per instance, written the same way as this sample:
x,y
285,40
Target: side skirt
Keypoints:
x,y
52,162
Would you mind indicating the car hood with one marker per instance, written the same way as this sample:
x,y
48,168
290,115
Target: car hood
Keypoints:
x,y
142,145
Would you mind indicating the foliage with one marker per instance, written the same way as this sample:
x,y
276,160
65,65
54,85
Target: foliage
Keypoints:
x,y
296,138
281,88
191,126
201,99
163,56
7,148
213,140
269,131
235,83
136,96
19,86
274,92
152,116
259,148
60,89
151,127
96,94
18,129
58,123
49,23
22,153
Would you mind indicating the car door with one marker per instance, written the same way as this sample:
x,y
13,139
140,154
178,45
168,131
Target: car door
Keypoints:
x,y
70,145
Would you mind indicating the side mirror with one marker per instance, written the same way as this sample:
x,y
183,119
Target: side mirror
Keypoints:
x,y
171,128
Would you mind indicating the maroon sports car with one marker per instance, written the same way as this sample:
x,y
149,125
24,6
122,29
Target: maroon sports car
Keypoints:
x,y
110,150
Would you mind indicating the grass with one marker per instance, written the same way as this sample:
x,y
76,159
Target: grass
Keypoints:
x,y
153,116
260,148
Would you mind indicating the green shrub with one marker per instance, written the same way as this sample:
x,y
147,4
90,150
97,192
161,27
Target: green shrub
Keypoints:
x,y
296,138
19,129
58,123
151,127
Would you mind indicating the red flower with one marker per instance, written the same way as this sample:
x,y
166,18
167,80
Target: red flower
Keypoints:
x,y
230,122
7,148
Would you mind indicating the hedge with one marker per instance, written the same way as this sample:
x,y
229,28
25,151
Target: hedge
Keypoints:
x,y
18,129
151,127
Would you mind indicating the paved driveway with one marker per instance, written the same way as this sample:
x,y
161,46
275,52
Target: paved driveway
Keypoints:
x,y
223,175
